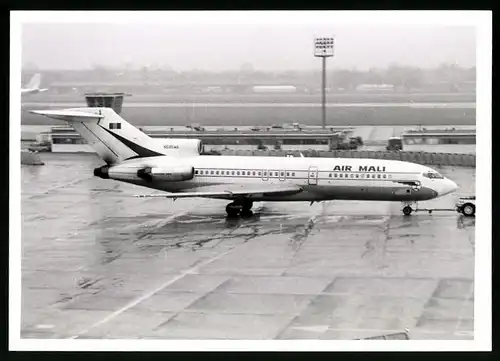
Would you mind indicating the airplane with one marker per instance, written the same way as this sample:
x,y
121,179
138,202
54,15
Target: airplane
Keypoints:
x,y
133,157
33,85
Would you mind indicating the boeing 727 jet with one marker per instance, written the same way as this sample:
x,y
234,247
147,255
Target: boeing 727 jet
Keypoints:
x,y
177,167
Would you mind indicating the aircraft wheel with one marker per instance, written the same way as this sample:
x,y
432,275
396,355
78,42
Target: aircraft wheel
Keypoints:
x,y
407,210
232,210
246,213
469,209
247,205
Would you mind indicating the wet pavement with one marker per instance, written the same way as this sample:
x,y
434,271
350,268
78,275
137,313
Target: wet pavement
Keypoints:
x,y
100,263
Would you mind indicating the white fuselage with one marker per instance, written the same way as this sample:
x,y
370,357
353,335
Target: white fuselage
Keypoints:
x,y
320,178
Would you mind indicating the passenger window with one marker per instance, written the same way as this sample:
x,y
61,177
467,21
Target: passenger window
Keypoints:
x,y
385,176
293,174
330,175
357,175
195,172
378,175
288,174
282,174
238,173
211,172
232,172
335,175
201,172
253,173
340,175
352,175
265,173
216,172
276,174
373,175
260,173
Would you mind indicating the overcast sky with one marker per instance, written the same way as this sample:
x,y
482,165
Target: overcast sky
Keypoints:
x,y
224,47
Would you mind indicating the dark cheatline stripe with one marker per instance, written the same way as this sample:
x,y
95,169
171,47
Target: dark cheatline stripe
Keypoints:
x,y
141,151
95,135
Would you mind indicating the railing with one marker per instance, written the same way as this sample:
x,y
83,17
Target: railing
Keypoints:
x,y
425,158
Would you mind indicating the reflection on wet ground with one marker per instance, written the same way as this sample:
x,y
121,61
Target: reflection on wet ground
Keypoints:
x,y
98,263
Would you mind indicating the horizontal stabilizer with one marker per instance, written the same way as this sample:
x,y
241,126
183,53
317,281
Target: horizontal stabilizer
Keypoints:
x,y
68,114
229,192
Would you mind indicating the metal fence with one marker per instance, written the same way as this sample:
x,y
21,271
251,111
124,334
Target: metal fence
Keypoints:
x,y
425,158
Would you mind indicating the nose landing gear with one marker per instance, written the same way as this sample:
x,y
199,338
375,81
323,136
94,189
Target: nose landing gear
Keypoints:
x,y
242,208
407,210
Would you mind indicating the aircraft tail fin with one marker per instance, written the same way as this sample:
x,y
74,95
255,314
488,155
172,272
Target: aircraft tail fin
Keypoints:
x,y
34,82
113,138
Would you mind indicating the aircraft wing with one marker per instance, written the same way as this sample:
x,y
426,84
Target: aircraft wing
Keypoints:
x,y
230,191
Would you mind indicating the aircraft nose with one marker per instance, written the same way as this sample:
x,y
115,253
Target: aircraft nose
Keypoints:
x,y
448,187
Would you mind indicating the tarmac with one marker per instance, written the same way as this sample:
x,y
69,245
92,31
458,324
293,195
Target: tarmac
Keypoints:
x,y
99,263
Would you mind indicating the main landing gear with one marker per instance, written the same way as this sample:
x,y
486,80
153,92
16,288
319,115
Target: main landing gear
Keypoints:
x,y
240,208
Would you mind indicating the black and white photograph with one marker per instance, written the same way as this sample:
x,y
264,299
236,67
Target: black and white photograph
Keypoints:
x,y
268,180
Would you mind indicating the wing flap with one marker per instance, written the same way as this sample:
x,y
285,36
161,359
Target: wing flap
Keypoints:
x,y
229,192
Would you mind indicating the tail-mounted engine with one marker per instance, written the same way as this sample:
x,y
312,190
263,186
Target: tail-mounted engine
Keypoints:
x,y
173,174
102,172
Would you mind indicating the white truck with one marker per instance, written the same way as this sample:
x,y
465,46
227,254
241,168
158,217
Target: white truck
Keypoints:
x,y
466,206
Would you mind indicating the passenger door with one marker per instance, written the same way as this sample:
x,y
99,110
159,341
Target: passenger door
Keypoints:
x,y
282,175
265,174
312,178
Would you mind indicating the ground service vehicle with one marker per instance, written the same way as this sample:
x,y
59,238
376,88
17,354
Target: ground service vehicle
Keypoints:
x,y
394,143
466,206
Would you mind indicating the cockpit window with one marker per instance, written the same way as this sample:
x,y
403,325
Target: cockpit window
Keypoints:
x,y
433,175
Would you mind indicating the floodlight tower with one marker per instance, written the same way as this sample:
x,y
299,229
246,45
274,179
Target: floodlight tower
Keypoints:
x,y
323,48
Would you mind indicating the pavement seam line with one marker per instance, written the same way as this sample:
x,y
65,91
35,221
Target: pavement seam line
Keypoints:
x,y
149,294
